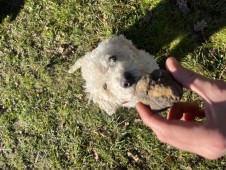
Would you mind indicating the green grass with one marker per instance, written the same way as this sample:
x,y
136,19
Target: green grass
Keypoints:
x,y
45,119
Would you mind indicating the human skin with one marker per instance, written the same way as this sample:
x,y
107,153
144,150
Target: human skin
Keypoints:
x,y
206,138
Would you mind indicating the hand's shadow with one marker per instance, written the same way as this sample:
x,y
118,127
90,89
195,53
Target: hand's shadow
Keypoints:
x,y
167,23
10,8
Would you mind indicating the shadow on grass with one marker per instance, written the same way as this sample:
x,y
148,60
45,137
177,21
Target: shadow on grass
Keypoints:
x,y
10,8
165,30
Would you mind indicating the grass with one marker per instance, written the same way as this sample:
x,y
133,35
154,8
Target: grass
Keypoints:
x,y
45,119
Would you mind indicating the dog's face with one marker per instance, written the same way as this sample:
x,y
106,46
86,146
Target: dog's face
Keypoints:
x,y
111,72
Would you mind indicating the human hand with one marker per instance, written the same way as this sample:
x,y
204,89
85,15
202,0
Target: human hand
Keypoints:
x,y
206,138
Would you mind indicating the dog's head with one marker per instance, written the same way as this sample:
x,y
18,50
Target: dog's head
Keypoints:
x,y
111,72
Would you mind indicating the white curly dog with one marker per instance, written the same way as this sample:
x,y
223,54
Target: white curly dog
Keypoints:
x,y
111,72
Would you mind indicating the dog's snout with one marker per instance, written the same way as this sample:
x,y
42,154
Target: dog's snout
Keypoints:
x,y
129,80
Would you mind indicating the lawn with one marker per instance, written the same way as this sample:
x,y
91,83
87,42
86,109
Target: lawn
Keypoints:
x,y
45,119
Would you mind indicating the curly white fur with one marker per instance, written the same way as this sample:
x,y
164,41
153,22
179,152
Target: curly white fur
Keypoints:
x,y
111,71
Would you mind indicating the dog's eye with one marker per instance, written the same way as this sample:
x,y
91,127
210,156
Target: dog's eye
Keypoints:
x,y
105,86
112,59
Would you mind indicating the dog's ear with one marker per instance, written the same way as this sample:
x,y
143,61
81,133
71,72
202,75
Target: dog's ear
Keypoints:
x,y
129,43
78,64
108,107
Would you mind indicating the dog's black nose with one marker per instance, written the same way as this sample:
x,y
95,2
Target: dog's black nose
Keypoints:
x,y
129,80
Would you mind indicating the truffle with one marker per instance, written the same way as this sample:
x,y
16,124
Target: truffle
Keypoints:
x,y
158,90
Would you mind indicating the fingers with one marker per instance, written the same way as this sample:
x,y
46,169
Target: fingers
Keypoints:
x,y
148,116
189,79
183,135
185,111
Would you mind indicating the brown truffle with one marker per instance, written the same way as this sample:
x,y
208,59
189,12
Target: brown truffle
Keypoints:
x,y
158,90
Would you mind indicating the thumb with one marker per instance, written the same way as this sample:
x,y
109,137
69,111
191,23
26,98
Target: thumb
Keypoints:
x,y
189,79
152,120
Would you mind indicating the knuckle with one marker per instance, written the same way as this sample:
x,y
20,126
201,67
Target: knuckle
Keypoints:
x,y
163,137
211,156
219,143
216,148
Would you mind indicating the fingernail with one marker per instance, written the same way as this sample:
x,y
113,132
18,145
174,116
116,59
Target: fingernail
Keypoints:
x,y
175,61
172,64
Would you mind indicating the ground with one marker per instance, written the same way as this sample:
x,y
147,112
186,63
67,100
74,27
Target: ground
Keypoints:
x,y
45,119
